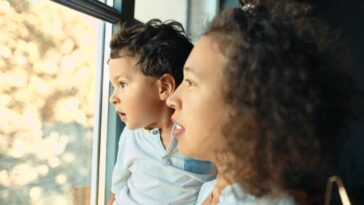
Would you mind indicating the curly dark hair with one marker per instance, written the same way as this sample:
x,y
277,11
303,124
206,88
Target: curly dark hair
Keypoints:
x,y
290,87
161,47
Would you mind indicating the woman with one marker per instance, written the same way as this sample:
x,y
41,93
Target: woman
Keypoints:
x,y
266,98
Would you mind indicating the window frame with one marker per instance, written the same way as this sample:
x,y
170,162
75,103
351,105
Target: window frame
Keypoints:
x,y
93,8
107,127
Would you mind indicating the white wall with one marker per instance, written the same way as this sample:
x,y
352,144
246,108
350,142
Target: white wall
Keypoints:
x,y
161,9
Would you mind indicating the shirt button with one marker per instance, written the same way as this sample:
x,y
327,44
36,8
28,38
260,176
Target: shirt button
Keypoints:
x,y
155,132
166,161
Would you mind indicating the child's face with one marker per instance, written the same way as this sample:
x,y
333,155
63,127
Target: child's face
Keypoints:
x,y
135,95
199,107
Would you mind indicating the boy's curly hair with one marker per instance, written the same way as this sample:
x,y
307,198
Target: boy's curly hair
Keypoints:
x,y
161,47
288,82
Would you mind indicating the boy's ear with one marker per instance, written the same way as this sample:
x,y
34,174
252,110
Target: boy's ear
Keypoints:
x,y
167,86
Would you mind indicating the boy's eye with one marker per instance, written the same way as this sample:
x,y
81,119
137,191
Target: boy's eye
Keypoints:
x,y
123,84
189,82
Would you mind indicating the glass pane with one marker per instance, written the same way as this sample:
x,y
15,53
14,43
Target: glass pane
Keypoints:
x,y
48,59
200,14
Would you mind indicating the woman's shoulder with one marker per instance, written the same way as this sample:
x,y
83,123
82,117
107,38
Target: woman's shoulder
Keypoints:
x,y
235,194
205,191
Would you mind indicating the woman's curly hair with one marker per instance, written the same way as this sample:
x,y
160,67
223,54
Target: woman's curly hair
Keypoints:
x,y
161,47
288,83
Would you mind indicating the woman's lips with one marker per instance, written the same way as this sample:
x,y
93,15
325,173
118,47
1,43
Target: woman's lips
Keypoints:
x,y
177,130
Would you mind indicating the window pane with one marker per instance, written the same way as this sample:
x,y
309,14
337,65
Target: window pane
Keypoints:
x,y
48,59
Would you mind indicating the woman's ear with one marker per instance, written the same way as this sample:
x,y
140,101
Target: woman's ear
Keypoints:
x,y
167,86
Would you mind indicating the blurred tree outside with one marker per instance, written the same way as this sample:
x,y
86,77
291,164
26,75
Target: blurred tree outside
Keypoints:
x,y
47,89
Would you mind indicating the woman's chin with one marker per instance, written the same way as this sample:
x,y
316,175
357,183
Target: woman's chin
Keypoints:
x,y
188,152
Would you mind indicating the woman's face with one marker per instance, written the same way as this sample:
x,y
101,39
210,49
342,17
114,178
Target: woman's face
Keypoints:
x,y
200,110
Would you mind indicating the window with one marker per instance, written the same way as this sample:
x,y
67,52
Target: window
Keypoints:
x,y
50,68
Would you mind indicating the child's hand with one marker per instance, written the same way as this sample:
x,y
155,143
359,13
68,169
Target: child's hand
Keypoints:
x,y
111,199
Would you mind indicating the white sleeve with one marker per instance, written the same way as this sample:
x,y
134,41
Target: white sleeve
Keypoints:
x,y
121,172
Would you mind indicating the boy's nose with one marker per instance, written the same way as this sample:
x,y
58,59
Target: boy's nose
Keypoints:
x,y
113,99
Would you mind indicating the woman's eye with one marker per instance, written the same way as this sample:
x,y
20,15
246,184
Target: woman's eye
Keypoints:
x,y
122,84
189,82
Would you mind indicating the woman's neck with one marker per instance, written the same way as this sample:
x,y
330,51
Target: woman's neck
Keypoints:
x,y
220,185
223,175
222,180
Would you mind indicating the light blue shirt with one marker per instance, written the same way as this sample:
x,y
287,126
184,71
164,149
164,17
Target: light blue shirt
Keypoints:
x,y
235,195
145,174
